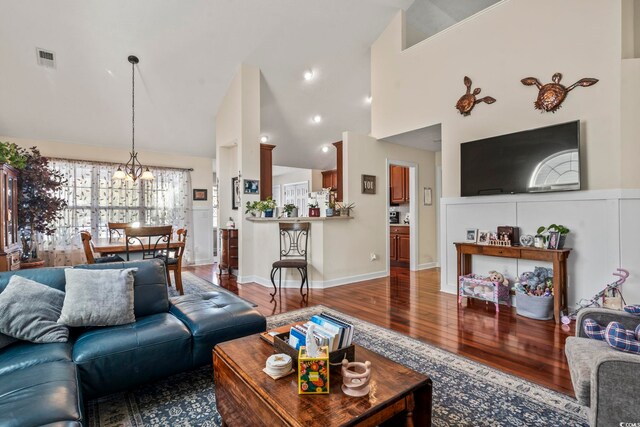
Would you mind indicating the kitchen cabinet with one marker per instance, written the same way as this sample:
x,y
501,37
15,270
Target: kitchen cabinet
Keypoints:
x,y
399,177
330,179
9,239
228,250
399,246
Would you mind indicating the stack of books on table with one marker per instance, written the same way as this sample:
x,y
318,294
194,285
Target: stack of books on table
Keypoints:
x,y
329,330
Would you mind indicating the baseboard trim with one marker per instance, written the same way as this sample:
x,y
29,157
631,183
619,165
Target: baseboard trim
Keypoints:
x,y
428,265
314,284
449,289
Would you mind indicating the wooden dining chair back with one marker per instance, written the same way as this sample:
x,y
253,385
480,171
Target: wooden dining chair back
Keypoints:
x,y
87,244
294,239
150,241
117,229
174,263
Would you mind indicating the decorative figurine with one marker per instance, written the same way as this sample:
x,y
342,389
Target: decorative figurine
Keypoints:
x,y
467,101
355,378
551,95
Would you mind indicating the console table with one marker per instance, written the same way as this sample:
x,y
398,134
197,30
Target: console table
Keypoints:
x,y
557,256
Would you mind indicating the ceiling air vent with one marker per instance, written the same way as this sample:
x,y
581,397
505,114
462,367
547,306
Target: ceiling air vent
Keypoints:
x,y
46,58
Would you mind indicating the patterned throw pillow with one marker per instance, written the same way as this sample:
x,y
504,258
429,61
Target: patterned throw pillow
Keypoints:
x,y
29,311
622,339
593,330
100,297
633,309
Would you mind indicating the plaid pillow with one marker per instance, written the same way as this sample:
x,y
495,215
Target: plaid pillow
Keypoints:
x,y
593,330
622,339
633,309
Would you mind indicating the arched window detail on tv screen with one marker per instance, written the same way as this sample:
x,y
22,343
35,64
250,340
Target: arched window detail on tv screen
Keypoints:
x,y
557,171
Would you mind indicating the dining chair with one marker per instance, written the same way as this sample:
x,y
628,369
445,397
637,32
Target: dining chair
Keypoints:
x,y
294,238
117,229
174,263
149,241
88,251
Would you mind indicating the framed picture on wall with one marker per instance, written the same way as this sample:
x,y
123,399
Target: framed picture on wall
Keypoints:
x,y
368,184
235,193
199,194
251,186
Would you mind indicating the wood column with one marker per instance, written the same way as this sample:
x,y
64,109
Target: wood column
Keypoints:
x,y
266,174
338,146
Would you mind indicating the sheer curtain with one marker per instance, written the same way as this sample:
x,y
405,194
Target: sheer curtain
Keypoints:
x,y
94,199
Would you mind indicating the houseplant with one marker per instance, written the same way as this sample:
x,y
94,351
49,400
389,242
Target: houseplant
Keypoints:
x,y
346,208
252,208
314,210
331,209
38,204
267,206
291,210
559,228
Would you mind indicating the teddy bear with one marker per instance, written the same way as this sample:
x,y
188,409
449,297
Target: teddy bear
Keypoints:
x,y
497,277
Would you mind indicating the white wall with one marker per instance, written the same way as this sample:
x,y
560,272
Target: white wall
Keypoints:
x,y
604,235
201,177
496,48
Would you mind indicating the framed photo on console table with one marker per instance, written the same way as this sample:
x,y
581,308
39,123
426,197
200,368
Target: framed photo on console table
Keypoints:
x,y
471,235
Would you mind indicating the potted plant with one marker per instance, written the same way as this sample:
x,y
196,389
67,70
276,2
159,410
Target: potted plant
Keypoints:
x,y
267,207
252,208
314,210
331,209
559,228
291,210
38,204
346,209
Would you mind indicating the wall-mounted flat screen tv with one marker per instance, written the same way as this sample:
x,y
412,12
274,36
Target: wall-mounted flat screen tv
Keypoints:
x,y
531,161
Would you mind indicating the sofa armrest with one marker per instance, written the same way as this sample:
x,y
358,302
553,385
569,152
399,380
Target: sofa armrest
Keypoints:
x,y
615,389
603,316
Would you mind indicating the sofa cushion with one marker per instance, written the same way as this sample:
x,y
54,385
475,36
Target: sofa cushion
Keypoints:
x,y
30,311
24,354
44,394
50,276
98,297
116,358
215,317
581,354
149,287
6,340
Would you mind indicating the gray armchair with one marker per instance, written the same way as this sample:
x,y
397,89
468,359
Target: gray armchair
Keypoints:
x,y
605,380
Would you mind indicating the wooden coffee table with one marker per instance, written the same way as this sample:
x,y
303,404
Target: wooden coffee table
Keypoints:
x,y
247,396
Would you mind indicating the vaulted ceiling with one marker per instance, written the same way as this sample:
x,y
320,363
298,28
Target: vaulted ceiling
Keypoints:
x,y
189,51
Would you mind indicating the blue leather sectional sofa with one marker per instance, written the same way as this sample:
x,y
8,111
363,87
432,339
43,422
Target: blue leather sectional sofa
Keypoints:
x,y
45,384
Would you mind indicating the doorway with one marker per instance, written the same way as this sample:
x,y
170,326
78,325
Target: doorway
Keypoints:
x,y
402,198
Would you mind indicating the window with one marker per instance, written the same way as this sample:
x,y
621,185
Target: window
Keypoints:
x,y
94,199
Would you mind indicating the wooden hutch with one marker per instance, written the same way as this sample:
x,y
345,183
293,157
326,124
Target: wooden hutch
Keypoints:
x,y
9,238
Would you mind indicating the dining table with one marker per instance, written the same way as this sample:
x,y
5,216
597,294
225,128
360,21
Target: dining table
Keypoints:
x,y
104,246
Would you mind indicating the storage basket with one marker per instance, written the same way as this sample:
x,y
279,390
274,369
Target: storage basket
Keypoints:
x,y
533,307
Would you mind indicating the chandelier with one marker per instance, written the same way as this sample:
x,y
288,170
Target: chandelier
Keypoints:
x,y
133,168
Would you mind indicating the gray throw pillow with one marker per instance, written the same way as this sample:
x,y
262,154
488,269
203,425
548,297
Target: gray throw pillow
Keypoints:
x,y
98,297
30,311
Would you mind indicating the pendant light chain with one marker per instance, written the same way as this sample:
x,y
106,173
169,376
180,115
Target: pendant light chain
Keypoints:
x,y
133,107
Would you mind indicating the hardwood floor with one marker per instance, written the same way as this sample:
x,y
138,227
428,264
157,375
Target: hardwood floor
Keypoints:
x,y
411,303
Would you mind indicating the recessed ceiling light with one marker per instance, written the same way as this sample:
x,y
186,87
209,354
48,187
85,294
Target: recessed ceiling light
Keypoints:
x,y
317,118
368,99
325,149
264,138
308,75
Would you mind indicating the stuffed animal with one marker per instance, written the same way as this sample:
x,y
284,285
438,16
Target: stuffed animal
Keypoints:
x,y
498,277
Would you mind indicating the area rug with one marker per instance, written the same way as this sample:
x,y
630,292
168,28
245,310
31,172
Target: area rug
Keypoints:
x,y
192,284
465,393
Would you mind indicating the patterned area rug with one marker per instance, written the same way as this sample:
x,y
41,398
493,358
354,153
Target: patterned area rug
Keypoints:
x,y
465,393
192,284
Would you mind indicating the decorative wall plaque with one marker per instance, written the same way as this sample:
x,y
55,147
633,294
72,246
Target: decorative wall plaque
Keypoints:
x,y
368,184
467,101
552,95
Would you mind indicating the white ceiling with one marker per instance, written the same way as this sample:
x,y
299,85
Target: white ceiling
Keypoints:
x,y
189,51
